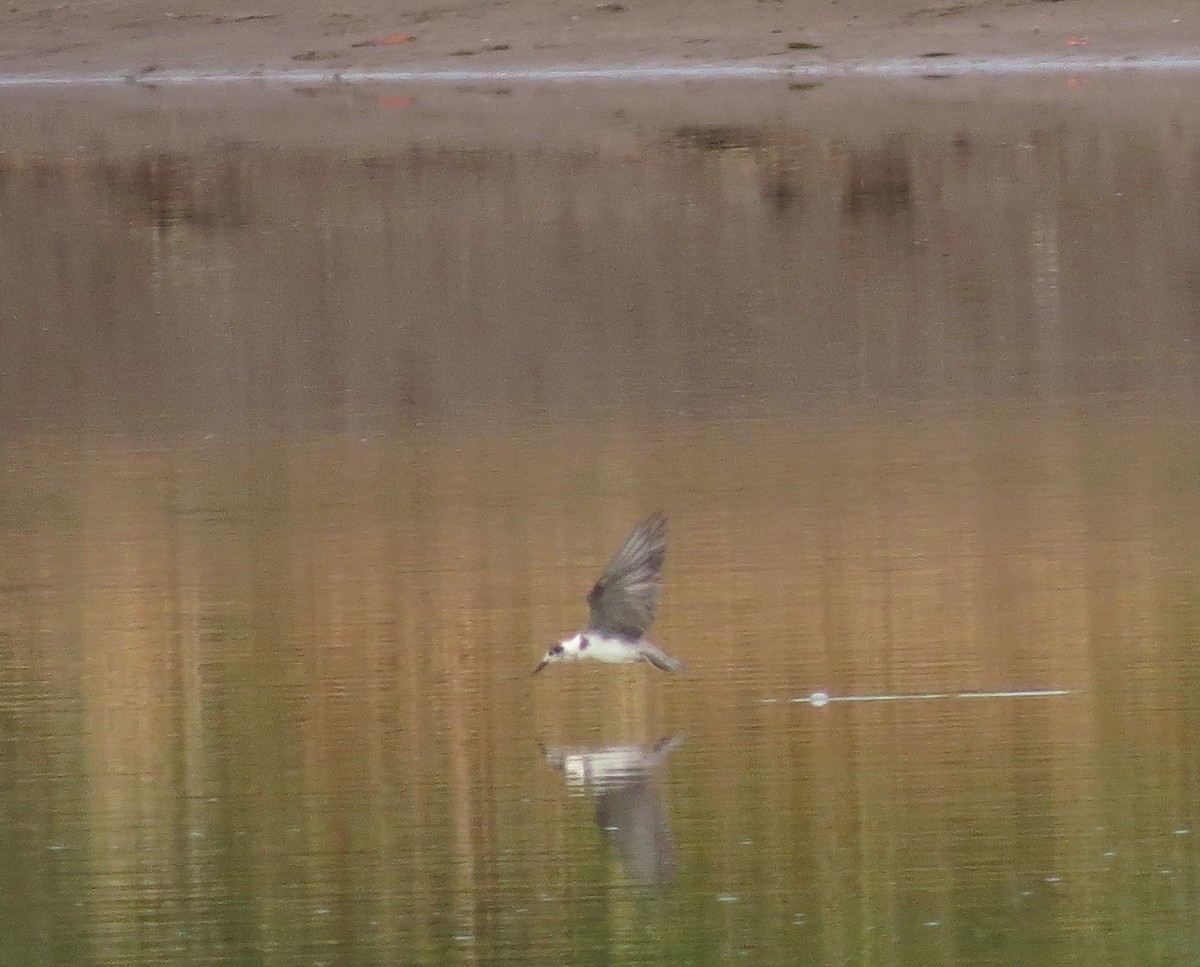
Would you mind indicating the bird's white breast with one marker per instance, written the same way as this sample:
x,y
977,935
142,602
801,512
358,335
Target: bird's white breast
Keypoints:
x,y
615,651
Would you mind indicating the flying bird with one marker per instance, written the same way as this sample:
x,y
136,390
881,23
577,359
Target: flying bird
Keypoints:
x,y
622,605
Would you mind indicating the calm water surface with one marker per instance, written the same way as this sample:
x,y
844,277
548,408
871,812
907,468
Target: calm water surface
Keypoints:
x,y
314,439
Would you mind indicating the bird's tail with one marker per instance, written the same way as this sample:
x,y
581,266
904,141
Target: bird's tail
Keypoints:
x,y
659,658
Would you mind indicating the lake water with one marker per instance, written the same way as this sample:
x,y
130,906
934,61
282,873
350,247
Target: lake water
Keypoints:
x,y
322,409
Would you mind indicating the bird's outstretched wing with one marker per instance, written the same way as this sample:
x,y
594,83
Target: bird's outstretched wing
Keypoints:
x,y
624,600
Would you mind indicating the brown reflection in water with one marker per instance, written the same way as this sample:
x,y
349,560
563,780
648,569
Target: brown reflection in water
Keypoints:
x,y
721,138
719,270
304,668
168,188
880,179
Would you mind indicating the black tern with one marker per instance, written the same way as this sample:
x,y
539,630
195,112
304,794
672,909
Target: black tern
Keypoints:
x,y
622,605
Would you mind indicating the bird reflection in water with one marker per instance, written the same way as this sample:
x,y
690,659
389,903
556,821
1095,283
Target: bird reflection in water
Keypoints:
x,y
622,781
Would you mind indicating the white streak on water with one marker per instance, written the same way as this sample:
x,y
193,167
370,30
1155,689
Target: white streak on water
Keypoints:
x,y
818,699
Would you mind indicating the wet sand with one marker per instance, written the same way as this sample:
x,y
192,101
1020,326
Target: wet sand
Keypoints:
x,y
140,39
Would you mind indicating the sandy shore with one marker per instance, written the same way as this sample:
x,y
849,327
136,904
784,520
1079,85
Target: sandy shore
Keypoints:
x,y
144,38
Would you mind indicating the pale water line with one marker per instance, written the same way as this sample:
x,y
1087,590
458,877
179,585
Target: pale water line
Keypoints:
x,y
820,699
941,67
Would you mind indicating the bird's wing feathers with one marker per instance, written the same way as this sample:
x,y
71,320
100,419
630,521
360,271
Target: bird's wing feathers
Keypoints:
x,y
624,600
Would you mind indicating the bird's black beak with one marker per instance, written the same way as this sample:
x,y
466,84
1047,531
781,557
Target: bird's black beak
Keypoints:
x,y
541,664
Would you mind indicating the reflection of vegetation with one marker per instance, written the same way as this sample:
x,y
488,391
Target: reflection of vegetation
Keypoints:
x,y
24,510
719,137
168,189
880,179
